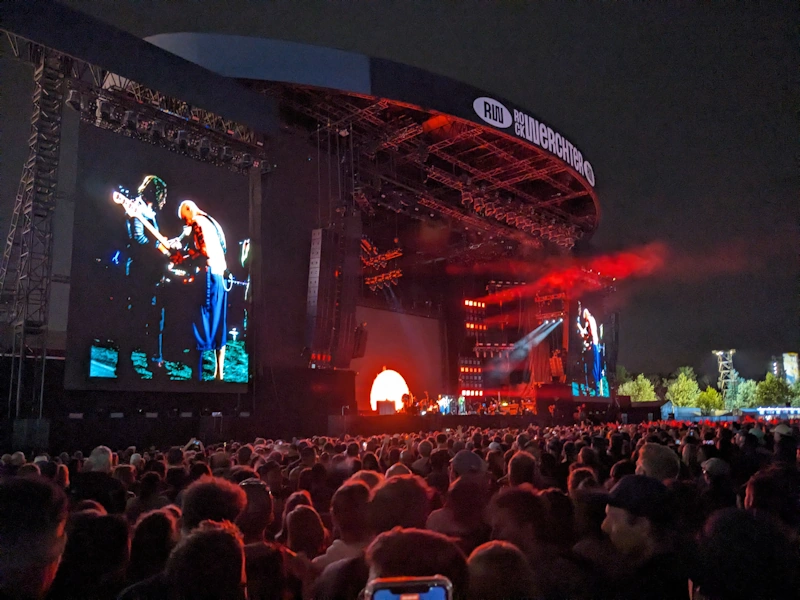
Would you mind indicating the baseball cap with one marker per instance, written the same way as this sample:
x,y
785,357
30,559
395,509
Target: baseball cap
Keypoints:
x,y
641,496
716,467
782,429
465,462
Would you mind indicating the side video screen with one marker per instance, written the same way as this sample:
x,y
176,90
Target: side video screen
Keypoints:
x,y
160,282
590,372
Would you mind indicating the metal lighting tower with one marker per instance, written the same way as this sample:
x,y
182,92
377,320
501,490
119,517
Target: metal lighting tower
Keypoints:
x,y
25,271
727,375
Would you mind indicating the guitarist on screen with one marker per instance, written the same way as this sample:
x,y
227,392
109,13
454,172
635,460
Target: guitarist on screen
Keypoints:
x,y
144,305
587,326
206,246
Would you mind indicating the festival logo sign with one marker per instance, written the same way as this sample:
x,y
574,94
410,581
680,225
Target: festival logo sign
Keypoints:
x,y
532,130
493,112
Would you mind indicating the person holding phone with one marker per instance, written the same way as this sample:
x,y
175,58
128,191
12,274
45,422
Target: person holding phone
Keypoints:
x,y
396,554
410,588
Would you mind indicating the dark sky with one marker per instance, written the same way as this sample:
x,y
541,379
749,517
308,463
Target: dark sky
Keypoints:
x,y
688,113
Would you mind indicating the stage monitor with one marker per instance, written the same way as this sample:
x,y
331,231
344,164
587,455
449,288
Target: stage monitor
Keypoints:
x,y
160,270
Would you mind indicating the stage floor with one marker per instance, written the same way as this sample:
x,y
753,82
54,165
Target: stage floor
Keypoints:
x,y
400,423
563,413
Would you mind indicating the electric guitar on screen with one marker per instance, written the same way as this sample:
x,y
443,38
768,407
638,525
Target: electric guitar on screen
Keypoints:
x,y
181,263
135,208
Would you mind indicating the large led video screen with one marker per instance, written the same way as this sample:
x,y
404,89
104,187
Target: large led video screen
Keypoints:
x,y
159,281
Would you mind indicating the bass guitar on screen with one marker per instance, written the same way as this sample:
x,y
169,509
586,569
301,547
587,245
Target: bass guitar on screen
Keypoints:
x,y
181,264
136,209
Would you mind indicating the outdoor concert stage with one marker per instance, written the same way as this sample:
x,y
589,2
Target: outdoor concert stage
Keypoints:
x,y
565,412
342,195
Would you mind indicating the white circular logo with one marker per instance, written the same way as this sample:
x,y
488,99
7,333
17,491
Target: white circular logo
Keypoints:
x,y
492,111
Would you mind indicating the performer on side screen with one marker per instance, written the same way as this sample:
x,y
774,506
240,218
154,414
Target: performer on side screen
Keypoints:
x,y
591,337
144,271
207,245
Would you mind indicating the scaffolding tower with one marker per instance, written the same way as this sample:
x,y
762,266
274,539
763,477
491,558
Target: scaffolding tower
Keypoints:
x,y
26,268
727,376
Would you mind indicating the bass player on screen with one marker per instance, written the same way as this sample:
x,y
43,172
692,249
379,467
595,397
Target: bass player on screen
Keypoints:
x,y
206,244
587,326
143,300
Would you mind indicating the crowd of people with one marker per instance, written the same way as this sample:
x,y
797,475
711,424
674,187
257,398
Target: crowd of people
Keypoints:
x,y
659,510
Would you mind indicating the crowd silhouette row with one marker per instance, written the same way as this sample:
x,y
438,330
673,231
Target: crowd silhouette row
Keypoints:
x,y
661,510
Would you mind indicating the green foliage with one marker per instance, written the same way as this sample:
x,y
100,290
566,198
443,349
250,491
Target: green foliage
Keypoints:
x,y
640,389
623,376
745,394
659,385
709,400
683,390
687,371
795,389
773,391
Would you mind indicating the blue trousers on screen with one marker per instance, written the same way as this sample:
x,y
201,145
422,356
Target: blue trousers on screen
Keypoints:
x,y
211,321
597,366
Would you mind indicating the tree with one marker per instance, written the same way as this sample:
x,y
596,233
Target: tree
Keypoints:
x,y
796,394
745,394
640,389
773,391
623,376
688,371
709,400
659,384
683,390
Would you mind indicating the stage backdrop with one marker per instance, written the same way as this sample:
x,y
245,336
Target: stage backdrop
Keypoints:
x,y
408,344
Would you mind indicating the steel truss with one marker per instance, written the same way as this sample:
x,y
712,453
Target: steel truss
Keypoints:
x,y
727,376
462,171
26,267
25,273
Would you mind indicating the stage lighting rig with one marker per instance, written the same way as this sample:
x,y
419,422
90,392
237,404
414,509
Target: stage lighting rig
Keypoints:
x,y
75,100
122,106
129,120
204,148
182,140
384,279
380,261
372,259
246,161
363,203
105,111
157,132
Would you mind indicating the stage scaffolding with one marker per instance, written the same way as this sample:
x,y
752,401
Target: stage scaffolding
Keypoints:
x,y
111,102
25,273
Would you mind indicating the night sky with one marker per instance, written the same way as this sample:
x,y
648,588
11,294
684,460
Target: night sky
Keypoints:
x,y
688,114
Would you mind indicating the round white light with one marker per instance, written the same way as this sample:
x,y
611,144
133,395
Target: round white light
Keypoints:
x,y
388,385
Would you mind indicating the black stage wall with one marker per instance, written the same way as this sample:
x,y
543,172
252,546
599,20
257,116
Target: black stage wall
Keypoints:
x,y
296,402
299,402
292,205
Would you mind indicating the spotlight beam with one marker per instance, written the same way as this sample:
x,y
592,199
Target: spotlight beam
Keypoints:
x,y
524,346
